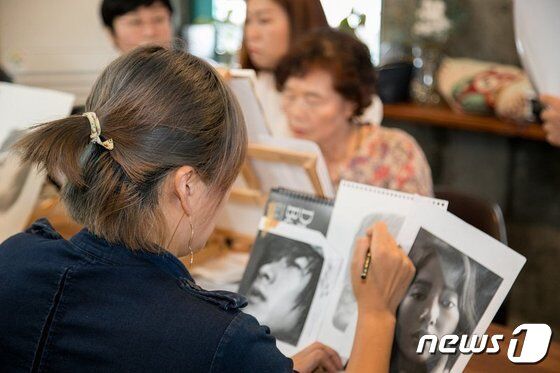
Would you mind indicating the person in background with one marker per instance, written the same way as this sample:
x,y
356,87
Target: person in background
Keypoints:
x,y
551,118
148,168
271,27
327,81
132,23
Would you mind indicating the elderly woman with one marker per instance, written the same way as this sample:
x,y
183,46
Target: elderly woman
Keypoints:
x,y
327,80
147,169
271,28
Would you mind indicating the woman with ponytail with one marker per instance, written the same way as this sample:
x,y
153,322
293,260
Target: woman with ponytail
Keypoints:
x,y
146,170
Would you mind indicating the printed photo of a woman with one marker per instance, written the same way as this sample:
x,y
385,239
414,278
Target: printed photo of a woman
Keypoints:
x,y
444,298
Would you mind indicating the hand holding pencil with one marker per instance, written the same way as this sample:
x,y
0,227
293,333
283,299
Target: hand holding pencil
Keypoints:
x,y
381,272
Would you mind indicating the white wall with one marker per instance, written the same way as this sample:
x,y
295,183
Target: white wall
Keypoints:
x,y
57,44
337,10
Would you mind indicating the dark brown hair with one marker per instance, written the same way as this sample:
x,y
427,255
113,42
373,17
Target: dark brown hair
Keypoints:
x,y
304,16
347,59
163,109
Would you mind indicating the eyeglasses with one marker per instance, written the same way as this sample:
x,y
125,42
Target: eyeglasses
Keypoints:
x,y
306,100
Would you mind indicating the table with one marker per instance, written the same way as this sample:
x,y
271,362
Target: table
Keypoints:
x,y
500,362
443,116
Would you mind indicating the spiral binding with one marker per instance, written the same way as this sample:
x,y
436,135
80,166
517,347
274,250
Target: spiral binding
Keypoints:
x,y
302,196
385,192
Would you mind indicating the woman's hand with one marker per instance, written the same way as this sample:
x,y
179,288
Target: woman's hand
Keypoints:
x,y
316,356
390,273
551,118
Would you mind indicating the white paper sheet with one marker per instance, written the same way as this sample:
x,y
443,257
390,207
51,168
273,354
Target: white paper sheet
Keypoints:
x,y
21,107
242,83
536,36
356,208
329,273
490,270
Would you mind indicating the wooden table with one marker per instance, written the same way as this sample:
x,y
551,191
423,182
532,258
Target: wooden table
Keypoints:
x,y
443,116
499,363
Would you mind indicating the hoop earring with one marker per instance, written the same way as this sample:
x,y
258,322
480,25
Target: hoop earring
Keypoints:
x,y
190,240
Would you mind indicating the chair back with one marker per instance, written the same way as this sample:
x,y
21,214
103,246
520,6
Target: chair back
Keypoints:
x,y
476,211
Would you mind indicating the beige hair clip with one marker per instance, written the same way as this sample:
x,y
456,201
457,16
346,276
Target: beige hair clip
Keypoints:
x,y
96,131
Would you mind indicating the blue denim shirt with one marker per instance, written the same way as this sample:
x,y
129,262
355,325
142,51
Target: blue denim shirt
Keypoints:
x,y
85,305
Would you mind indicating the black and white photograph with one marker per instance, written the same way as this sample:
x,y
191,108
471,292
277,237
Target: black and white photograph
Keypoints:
x,y
280,284
448,295
462,277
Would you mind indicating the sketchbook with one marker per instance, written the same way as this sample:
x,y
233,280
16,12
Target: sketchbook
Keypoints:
x,y
301,209
476,270
460,270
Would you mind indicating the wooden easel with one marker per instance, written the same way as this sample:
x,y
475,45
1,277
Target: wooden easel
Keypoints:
x,y
252,193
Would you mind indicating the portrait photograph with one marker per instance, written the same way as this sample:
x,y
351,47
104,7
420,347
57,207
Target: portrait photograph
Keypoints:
x,y
280,283
448,295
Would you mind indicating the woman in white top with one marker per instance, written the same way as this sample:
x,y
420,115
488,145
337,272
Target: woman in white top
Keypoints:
x,y
271,26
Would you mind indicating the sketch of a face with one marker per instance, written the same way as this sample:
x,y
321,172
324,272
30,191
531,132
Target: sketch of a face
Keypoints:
x,y
431,306
347,306
273,297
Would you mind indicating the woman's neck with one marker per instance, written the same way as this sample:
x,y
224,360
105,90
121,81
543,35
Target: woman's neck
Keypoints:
x,y
335,148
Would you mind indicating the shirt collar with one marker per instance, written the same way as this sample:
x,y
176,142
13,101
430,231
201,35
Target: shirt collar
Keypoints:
x,y
120,254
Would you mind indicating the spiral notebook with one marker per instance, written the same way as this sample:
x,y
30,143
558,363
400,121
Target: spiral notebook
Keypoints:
x,y
357,207
299,209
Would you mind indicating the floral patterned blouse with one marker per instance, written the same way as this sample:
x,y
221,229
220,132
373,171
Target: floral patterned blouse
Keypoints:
x,y
388,158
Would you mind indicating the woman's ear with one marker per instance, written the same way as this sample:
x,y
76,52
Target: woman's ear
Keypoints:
x,y
183,183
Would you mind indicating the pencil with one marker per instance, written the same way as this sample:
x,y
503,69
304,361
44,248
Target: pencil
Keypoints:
x,y
367,262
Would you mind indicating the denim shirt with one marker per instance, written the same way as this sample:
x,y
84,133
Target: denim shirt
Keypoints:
x,y
85,305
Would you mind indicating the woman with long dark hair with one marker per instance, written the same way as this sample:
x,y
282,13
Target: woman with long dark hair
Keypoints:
x,y
271,29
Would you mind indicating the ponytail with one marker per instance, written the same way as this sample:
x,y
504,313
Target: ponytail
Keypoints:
x,y
164,109
57,147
